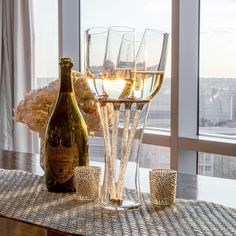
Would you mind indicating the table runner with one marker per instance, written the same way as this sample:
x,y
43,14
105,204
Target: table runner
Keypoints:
x,y
23,196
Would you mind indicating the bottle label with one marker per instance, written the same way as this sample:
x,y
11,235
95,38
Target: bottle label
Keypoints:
x,y
62,161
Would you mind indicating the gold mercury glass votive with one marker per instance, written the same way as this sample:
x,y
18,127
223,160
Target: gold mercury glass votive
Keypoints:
x,y
162,187
87,182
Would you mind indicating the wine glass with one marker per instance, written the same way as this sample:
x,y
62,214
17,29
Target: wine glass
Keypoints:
x,y
148,76
119,62
95,47
150,64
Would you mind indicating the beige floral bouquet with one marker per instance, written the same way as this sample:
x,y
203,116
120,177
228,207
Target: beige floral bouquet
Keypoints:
x,y
35,108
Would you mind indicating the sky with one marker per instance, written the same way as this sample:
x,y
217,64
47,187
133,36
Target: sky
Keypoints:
x,y
218,38
46,38
217,26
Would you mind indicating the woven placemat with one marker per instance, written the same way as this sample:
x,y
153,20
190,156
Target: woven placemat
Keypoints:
x,y
23,196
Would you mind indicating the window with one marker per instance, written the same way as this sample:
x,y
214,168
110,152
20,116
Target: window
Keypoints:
x,y
153,156
46,47
176,108
217,165
217,68
217,94
46,42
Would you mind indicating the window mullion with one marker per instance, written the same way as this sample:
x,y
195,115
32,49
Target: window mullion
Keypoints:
x,y
184,87
174,85
69,30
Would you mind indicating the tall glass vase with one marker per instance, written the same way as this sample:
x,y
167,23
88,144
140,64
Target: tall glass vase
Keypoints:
x,y
121,190
125,79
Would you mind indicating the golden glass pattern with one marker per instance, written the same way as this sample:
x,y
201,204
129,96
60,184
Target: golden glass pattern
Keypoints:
x,y
162,187
87,182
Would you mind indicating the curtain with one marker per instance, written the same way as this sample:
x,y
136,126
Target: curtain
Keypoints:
x,y
16,69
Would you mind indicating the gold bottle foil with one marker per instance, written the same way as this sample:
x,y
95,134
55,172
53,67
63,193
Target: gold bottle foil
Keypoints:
x,y
62,162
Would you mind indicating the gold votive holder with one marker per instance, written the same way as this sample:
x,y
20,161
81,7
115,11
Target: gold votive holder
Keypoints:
x,y
163,187
87,182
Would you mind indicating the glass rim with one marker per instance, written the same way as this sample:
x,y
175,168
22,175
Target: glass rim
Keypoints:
x,y
118,28
156,31
103,30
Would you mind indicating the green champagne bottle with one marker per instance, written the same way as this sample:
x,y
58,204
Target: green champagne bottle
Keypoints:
x,y
66,139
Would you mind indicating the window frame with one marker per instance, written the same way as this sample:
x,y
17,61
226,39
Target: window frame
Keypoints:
x,y
183,139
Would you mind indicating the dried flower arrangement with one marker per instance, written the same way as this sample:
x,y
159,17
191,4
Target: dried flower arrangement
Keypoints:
x,y
35,108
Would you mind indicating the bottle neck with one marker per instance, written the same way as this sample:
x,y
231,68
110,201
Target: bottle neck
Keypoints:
x,y
66,80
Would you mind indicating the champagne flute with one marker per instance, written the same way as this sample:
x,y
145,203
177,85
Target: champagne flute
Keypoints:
x,y
109,63
95,46
119,62
150,64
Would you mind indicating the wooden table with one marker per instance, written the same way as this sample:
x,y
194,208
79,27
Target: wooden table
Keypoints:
x,y
217,190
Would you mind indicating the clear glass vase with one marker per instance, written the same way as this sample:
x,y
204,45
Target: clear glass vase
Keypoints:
x,y
121,189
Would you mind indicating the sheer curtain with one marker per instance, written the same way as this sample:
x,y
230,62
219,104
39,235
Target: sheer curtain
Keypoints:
x,y
16,69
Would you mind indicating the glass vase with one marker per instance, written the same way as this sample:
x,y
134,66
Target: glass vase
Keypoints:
x,y
122,139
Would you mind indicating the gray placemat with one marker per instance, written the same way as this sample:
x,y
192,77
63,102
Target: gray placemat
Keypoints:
x,y
23,196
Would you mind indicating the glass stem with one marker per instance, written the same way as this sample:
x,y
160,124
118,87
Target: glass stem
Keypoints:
x,y
116,113
125,136
109,184
125,158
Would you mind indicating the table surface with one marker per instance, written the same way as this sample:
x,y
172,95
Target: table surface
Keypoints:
x,y
222,191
